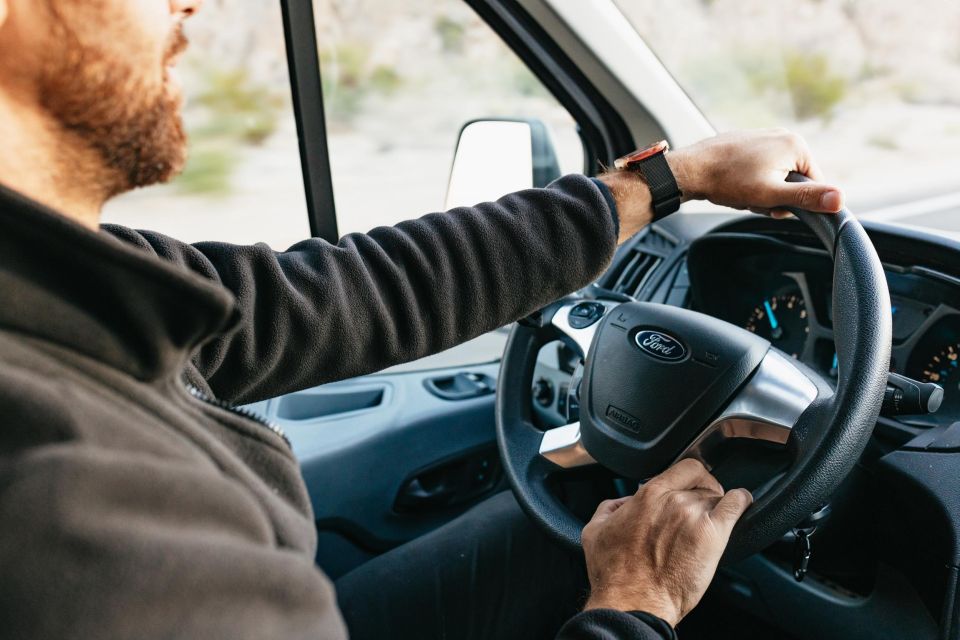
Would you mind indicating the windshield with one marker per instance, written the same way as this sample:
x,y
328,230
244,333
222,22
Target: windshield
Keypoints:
x,y
874,87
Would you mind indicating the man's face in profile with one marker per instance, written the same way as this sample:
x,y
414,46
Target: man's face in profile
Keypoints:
x,y
103,69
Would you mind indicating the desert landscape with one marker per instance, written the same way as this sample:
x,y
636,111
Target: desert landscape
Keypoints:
x,y
874,86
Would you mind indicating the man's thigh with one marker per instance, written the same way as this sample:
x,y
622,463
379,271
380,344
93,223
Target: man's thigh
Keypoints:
x,y
488,574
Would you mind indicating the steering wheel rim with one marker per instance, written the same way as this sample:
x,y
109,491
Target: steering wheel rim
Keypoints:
x,y
827,436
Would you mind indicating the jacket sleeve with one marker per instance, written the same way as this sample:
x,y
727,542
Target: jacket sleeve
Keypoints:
x,y
320,312
608,624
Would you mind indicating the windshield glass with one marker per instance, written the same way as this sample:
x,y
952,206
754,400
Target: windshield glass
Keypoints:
x,y
874,87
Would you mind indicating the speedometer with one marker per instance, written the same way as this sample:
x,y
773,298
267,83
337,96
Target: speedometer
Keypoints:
x,y
781,319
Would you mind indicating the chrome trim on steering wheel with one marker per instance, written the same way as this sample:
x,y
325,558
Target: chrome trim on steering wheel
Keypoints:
x,y
581,337
563,447
767,408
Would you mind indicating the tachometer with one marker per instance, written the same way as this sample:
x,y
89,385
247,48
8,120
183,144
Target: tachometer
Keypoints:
x,y
781,319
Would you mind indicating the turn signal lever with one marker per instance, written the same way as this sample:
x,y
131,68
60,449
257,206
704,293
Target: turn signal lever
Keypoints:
x,y
907,397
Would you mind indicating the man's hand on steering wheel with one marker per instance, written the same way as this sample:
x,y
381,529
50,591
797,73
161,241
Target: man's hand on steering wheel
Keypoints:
x,y
740,169
657,550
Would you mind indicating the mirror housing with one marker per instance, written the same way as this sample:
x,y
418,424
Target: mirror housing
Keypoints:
x,y
495,157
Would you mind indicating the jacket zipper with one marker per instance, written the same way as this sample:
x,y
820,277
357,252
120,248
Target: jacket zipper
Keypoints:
x,y
238,411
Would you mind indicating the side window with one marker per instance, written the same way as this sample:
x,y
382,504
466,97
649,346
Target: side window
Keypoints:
x,y
243,181
400,79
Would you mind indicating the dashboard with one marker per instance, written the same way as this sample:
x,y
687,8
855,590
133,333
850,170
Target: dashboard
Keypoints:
x,y
774,278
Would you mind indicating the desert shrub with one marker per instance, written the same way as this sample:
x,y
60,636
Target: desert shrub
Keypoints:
x,y
883,141
231,111
208,172
349,79
452,34
814,89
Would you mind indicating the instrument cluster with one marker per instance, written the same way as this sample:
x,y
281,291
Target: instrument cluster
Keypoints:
x,y
785,295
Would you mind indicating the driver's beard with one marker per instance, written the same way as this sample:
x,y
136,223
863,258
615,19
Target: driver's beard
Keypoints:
x,y
106,104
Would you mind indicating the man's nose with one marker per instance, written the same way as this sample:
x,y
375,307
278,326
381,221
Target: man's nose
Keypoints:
x,y
185,8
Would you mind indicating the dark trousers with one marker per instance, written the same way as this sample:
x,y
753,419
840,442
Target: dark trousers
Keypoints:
x,y
489,574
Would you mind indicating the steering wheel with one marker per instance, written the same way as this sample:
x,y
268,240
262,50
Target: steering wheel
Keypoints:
x,y
662,383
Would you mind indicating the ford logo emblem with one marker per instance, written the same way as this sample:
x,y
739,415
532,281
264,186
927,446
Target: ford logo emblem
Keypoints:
x,y
660,345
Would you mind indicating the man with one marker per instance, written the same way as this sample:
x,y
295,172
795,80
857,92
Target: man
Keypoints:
x,y
134,505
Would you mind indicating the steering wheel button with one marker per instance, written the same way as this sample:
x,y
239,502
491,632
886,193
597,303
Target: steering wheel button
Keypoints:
x,y
585,314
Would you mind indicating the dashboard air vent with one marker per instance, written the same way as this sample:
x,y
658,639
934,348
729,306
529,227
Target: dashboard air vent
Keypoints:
x,y
635,268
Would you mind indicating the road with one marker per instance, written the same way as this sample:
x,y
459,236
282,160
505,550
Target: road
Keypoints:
x,y
940,212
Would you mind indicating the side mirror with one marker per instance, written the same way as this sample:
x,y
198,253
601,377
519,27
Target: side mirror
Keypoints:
x,y
497,157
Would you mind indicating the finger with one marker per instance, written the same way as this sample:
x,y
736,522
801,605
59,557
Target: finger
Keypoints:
x,y
808,166
730,507
805,162
709,502
687,474
776,214
812,196
708,495
606,508
813,170
691,503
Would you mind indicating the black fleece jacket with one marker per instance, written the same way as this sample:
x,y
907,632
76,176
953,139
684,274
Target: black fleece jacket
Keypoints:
x,y
130,510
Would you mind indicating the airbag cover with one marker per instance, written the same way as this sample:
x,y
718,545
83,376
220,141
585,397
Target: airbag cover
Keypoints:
x,y
654,378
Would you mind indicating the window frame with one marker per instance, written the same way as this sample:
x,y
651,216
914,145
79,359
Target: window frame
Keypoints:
x,y
604,133
306,89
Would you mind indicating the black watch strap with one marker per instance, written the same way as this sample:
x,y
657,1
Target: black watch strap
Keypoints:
x,y
665,192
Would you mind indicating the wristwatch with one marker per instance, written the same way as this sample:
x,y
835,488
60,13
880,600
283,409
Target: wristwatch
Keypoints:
x,y
651,165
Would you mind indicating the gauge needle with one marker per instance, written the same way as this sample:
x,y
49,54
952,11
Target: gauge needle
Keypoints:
x,y
777,332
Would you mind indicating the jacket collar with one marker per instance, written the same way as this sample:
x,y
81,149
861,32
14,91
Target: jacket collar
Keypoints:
x,y
96,295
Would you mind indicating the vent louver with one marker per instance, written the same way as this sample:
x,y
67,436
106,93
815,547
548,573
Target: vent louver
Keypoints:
x,y
635,268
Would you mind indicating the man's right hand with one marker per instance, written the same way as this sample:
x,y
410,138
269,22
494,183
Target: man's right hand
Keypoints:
x,y
740,169
657,550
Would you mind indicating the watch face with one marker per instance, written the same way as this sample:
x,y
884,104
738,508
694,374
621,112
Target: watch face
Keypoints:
x,y
641,154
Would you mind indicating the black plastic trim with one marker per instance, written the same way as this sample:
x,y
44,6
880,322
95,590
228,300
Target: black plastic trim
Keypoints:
x,y
603,131
898,246
306,89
